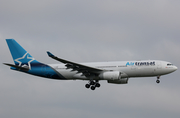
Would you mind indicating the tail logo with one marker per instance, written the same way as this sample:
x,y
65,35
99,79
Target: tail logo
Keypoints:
x,y
25,60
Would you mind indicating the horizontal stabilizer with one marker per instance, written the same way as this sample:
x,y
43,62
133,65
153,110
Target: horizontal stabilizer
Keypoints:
x,y
17,67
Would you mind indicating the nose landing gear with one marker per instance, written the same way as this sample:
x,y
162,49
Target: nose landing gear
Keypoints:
x,y
158,81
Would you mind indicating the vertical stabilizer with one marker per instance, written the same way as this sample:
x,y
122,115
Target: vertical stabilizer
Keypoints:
x,y
20,56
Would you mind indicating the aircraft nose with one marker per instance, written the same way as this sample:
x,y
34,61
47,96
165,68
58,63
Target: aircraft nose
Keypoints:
x,y
175,68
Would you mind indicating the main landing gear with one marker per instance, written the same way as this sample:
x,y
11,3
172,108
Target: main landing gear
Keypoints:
x,y
93,84
158,81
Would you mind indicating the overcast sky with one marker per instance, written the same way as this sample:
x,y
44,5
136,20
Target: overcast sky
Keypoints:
x,y
90,31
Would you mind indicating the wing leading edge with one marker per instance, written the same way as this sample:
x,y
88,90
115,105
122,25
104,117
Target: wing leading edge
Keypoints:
x,y
85,70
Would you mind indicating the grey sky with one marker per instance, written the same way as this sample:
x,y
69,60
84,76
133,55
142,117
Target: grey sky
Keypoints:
x,y
87,31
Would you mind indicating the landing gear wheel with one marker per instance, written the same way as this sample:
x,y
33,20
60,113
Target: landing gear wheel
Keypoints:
x,y
93,87
97,85
87,85
92,83
158,81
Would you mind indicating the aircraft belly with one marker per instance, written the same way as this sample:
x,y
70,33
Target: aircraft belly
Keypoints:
x,y
79,76
141,72
66,74
71,75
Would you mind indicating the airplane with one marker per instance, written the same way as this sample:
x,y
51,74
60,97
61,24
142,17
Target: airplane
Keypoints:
x,y
117,72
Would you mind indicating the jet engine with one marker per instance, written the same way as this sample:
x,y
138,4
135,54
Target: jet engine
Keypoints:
x,y
114,77
110,75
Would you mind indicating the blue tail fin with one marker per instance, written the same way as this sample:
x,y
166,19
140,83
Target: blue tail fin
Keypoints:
x,y
20,56
24,62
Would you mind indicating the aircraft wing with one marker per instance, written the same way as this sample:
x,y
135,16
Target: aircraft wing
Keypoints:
x,y
85,70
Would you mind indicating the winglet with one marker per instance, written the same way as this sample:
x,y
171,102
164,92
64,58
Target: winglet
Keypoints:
x,y
50,54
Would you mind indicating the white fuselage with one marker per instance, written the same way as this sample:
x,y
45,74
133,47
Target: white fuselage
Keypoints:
x,y
128,69
114,72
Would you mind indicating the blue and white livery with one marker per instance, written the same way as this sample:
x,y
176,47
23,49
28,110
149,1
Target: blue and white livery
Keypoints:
x,y
113,72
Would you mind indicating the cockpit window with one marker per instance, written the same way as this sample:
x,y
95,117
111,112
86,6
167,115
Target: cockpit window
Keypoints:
x,y
169,64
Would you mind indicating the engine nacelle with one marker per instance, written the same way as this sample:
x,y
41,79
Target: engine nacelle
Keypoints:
x,y
110,75
120,81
